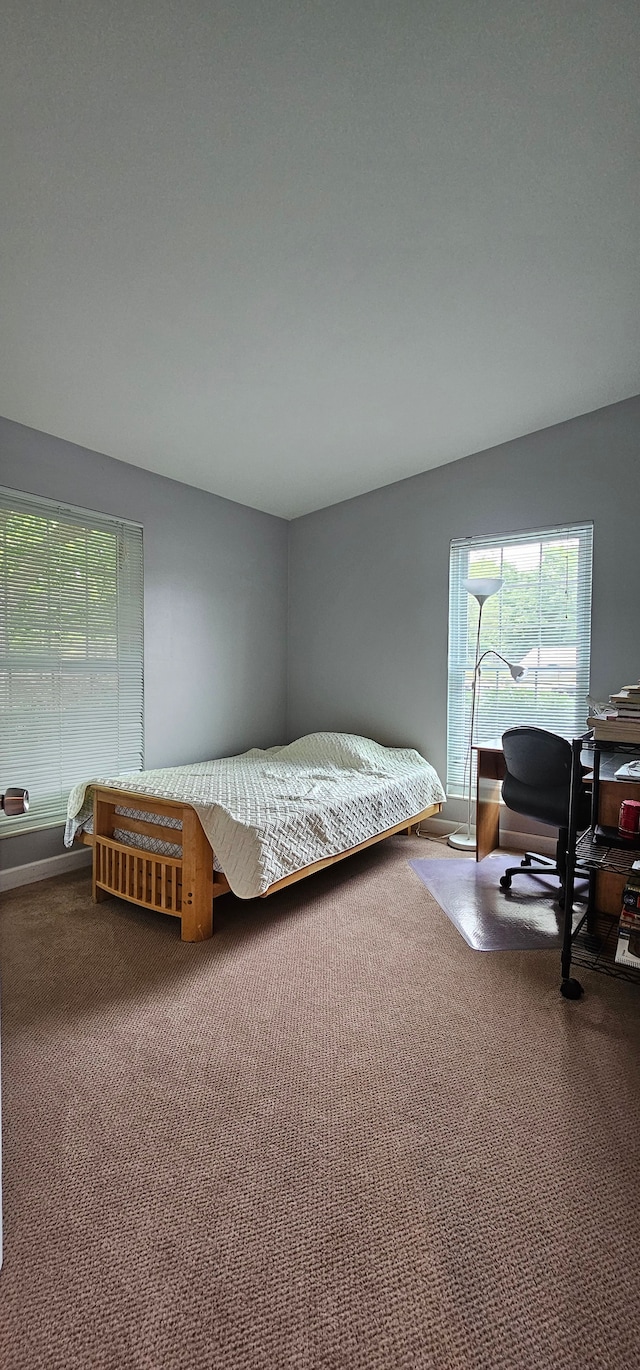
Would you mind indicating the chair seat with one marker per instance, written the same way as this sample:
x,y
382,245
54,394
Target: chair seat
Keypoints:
x,y
549,805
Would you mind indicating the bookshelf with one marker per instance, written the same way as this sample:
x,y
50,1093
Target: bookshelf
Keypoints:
x,y
592,943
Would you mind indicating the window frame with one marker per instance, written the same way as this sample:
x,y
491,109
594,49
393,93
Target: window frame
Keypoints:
x,y
463,619
99,643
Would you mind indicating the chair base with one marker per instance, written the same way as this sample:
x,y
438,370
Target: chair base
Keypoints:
x,y
544,866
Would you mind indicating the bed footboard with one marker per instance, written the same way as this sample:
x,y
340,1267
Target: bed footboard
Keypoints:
x,y
182,887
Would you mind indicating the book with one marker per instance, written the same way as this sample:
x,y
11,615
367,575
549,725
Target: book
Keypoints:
x,y
628,949
625,925
630,771
628,945
613,714
630,922
612,837
625,701
615,729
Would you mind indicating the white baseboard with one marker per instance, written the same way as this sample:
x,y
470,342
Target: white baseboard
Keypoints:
x,y
43,870
510,840
33,871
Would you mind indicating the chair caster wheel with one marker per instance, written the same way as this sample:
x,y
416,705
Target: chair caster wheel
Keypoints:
x,y
505,882
571,989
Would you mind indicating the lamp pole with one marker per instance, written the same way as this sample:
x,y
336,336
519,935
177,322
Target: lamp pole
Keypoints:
x,y
481,588
467,840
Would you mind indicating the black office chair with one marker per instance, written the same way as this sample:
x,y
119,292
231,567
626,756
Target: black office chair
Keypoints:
x,y
538,784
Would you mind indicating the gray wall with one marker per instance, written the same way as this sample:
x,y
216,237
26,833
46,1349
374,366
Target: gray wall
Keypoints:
x,y
215,606
368,588
368,578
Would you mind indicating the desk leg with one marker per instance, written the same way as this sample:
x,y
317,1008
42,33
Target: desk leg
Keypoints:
x,y
490,775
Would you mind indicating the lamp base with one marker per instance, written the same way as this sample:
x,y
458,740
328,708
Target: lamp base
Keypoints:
x,y
462,840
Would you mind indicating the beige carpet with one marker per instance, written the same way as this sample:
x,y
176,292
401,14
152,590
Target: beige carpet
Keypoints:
x,y
333,1137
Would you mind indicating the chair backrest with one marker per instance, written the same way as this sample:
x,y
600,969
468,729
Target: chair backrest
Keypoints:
x,y
537,758
538,775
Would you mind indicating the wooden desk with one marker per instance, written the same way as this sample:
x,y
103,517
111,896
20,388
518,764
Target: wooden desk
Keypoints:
x,y
490,774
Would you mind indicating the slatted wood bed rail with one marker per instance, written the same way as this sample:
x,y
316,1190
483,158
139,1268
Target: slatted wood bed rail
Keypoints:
x,y
182,887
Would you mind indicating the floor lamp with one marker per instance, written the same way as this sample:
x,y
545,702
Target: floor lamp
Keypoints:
x,y
481,589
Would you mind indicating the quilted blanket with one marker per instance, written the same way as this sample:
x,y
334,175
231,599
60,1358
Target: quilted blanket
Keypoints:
x,y
270,813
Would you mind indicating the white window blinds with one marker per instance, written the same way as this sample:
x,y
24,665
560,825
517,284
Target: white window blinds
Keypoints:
x,y
540,619
71,642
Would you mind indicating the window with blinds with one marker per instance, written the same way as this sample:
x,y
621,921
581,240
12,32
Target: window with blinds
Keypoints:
x,y
71,651
540,619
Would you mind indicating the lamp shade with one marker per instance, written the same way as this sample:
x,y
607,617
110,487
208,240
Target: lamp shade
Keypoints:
x,y
483,587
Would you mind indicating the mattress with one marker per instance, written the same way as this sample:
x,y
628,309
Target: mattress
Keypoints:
x,y
270,813
157,845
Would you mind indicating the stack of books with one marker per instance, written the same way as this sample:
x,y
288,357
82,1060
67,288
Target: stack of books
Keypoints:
x,y
621,721
628,948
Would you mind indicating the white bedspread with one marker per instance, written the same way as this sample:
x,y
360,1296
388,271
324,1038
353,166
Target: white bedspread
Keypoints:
x,y
270,813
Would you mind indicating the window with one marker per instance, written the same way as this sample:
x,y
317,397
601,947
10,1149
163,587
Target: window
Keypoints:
x,y
541,619
70,651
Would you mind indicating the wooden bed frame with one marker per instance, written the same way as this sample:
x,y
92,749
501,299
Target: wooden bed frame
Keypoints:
x,y
184,887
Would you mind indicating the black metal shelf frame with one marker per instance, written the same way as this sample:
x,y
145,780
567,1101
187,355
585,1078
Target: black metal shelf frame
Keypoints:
x,y
584,945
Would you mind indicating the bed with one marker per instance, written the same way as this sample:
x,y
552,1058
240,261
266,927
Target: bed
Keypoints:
x,y
175,839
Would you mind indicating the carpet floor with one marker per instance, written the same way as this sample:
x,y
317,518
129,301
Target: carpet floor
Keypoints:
x,y
332,1137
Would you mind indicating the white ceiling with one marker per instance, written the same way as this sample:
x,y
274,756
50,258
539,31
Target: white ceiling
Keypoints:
x,y
293,250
